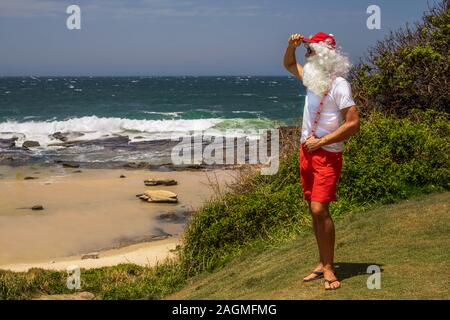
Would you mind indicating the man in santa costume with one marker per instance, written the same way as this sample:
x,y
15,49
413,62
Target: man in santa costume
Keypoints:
x,y
330,117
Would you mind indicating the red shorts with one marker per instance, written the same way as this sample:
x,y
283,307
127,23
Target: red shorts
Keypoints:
x,y
320,171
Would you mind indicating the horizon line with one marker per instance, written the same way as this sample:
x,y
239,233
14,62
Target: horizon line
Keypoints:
x,y
143,76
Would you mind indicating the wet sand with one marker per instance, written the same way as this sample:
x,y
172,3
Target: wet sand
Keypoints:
x,y
91,210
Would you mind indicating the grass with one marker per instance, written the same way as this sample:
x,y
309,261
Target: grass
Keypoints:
x,y
125,281
410,241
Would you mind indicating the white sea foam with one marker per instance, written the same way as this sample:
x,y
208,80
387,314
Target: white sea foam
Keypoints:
x,y
171,114
243,111
94,127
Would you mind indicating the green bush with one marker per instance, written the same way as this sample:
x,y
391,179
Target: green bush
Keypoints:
x,y
408,68
390,158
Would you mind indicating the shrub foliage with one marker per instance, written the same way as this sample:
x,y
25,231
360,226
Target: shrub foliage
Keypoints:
x,y
410,67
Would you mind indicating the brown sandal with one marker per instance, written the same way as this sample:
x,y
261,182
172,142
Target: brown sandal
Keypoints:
x,y
319,275
329,284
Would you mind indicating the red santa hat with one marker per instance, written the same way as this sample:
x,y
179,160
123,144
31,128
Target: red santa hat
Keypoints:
x,y
328,39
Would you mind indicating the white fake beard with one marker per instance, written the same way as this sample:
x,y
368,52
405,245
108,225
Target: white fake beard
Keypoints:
x,y
315,78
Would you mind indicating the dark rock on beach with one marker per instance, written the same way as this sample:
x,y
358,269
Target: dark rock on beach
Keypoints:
x,y
37,207
65,136
30,178
160,234
108,143
177,216
63,144
155,235
113,151
136,165
16,158
70,165
30,144
59,136
91,255
160,182
167,167
8,143
5,157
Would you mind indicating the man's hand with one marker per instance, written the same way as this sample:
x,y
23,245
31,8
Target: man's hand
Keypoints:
x,y
289,61
295,40
345,131
312,143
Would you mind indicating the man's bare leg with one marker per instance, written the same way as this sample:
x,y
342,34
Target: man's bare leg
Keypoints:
x,y
325,236
319,267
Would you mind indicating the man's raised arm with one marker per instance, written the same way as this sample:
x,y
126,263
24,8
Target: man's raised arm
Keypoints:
x,y
290,62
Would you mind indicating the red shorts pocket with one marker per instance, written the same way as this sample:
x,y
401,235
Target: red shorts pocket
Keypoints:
x,y
320,171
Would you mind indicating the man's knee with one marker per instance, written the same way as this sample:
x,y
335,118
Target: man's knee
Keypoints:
x,y
319,210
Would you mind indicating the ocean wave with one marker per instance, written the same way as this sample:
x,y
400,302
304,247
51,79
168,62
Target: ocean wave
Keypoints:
x,y
93,128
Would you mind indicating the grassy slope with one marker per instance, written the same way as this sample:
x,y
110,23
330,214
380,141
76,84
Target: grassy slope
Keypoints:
x,y
411,240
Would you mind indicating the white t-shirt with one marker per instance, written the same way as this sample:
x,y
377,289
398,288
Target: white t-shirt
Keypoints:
x,y
338,98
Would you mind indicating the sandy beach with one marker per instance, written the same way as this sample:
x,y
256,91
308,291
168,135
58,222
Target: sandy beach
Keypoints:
x,y
143,254
93,210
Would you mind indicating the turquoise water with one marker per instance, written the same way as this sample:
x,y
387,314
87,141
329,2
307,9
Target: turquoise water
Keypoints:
x,y
143,108
275,98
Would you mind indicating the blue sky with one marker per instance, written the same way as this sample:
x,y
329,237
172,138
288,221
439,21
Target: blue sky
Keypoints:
x,y
177,37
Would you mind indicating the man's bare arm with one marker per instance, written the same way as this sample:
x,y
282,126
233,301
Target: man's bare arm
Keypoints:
x,y
290,61
346,130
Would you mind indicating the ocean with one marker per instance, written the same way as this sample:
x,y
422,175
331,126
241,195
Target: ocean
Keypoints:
x,y
72,117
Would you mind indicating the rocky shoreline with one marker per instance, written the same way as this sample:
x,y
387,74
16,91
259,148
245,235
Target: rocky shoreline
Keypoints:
x,y
117,152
